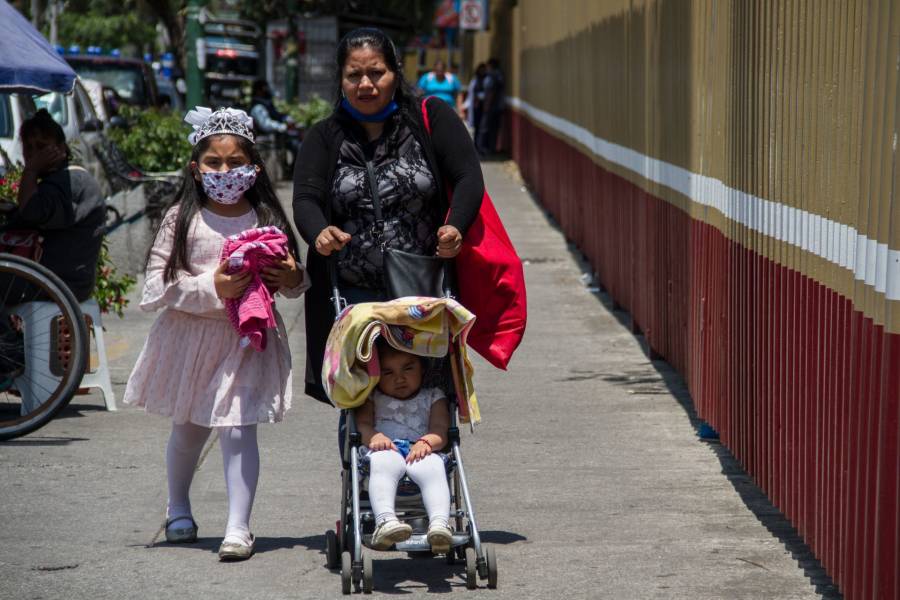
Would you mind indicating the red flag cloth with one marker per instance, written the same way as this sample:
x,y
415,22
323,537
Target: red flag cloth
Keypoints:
x,y
491,283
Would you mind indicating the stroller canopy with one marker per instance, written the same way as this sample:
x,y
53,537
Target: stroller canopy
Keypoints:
x,y
28,64
431,327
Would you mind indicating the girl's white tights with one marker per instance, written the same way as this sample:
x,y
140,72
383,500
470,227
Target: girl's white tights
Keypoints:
x,y
387,468
182,454
240,455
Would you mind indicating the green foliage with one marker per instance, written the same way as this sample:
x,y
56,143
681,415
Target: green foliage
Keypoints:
x,y
154,140
308,113
111,289
106,30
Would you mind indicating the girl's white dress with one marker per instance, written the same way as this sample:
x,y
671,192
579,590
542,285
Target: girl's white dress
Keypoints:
x,y
192,367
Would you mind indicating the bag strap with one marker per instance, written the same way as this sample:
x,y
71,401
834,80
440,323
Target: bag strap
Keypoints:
x,y
378,226
425,115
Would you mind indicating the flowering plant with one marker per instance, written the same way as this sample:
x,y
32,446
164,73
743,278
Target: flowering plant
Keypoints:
x,y
9,184
111,289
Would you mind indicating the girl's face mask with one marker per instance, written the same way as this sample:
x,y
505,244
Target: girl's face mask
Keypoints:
x,y
227,187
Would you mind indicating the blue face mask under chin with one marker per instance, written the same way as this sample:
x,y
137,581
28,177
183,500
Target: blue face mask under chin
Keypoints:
x,y
381,115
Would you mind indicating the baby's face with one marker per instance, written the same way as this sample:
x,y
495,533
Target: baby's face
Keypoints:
x,y
401,374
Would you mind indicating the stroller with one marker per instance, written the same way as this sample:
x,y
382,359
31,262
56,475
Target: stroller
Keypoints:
x,y
348,383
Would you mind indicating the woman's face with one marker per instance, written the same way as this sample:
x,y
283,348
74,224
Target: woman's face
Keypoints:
x,y
367,82
37,144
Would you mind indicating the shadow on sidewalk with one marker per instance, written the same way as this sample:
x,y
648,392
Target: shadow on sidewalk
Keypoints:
x,y
43,440
426,572
263,544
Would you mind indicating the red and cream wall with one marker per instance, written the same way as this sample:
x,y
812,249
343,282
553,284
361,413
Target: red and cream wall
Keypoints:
x,y
730,169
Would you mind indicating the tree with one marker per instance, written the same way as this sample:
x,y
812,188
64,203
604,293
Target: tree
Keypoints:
x,y
106,23
170,13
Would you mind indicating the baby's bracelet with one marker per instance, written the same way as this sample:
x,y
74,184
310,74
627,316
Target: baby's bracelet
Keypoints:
x,y
421,439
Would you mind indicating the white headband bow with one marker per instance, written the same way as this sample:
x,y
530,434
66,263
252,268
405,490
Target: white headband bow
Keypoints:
x,y
207,122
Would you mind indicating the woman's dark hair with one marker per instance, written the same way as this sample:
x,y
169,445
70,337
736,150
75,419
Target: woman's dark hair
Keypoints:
x,y
41,123
259,86
191,198
378,41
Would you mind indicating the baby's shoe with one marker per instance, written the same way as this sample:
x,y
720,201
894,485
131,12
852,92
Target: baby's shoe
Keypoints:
x,y
439,537
390,532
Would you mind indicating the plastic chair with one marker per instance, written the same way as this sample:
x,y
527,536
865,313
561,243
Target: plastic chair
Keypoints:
x,y
42,355
98,378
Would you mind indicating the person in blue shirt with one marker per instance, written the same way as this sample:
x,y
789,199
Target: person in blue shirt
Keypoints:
x,y
442,84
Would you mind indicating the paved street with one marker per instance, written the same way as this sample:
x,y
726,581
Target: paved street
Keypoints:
x,y
586,474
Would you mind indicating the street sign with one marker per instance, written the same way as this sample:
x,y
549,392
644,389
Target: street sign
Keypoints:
x,y
473,14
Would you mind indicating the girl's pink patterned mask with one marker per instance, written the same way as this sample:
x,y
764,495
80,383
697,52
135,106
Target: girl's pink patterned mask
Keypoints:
x,y
227,187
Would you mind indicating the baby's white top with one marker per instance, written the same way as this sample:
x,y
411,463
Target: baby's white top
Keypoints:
x,y
404,419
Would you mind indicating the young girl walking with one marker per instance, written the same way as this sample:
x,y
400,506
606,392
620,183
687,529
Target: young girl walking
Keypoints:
x,y
193,367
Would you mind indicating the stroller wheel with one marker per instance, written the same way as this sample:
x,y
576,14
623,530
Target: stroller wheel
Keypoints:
x,y
471,569
490,557
346,573
451,557
332,550
367,573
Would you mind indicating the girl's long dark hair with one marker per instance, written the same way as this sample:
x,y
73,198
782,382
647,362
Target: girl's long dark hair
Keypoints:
x,y
378,41
191,198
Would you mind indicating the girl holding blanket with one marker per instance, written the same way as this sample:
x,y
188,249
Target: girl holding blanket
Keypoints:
x,y
193,367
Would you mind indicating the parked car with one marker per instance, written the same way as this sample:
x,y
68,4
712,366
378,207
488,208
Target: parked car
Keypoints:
x,y
169,96
94,91
131,80
83,128
14,109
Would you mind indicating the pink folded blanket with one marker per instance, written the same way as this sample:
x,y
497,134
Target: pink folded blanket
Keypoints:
x,y
254,312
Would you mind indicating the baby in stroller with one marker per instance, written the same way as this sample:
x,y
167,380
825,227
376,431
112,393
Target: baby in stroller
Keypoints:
x,y
399,372
403,426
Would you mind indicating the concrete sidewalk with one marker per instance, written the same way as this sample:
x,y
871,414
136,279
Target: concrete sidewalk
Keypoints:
x,y
586,473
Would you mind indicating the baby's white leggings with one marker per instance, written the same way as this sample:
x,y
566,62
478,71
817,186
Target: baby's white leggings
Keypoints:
x,y
387,468
240,454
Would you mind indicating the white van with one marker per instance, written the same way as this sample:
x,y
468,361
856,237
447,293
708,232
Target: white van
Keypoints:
x,y
14,109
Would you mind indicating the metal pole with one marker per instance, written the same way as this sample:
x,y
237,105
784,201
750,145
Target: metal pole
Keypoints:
x,y
55,8
36,13
292,62
192,38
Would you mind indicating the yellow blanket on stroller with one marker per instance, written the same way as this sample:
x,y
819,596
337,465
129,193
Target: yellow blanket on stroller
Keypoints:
x,y
431,327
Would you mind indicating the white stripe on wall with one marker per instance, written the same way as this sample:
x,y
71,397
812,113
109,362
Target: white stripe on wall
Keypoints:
x,y
874,263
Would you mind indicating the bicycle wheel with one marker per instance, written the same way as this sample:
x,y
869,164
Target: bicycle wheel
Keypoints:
x,y
43,345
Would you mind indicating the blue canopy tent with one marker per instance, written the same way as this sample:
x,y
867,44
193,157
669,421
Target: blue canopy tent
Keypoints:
x,y
28,64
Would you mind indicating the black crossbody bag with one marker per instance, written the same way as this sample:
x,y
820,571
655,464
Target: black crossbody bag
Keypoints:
x,y
405,273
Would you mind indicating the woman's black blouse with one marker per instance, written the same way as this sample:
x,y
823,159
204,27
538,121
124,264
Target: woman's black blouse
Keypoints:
x,y
449,152
407,193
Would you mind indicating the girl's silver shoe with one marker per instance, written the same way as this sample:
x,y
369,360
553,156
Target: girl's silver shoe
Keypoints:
x,y
230,551
181,535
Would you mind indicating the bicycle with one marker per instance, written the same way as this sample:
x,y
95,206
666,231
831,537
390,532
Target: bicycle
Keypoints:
x,y
44,345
